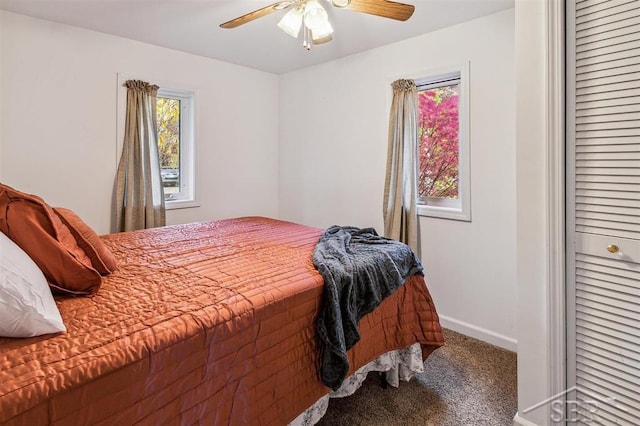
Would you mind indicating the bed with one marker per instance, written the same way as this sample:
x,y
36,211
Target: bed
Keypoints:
x,y
209,323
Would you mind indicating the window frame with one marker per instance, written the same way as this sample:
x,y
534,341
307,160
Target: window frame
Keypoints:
x,y
460,208
187,161
186,196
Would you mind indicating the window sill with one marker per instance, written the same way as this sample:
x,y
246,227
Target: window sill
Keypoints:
x,y
180,204
452,213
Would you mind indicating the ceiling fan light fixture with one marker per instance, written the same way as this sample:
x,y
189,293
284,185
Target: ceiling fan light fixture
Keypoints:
x,y
314,15
340,3
291,22
322,34
321,40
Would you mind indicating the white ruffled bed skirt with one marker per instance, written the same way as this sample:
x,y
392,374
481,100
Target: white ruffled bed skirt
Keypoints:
x,y
399,364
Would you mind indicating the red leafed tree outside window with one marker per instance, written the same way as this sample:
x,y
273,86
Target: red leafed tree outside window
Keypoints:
x,y
438,128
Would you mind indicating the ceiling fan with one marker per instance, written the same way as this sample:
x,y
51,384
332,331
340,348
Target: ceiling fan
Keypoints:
x,y
312,18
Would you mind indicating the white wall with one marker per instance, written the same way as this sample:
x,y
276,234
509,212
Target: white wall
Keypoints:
x,y
333,144
59,86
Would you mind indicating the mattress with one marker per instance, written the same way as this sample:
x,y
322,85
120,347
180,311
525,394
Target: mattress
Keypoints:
x,y
209,322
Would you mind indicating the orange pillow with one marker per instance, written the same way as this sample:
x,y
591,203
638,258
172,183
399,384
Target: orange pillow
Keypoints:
x,y
33,226
101,257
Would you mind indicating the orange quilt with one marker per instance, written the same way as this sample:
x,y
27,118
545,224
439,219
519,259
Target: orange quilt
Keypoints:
x,y
208,323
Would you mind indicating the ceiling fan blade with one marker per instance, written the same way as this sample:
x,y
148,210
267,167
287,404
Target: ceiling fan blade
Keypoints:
x,y
385,8
257,14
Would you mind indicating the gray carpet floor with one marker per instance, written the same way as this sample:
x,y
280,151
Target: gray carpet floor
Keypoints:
x,y
467,382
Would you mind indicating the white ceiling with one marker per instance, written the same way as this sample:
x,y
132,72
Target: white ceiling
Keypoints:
x,y
193,26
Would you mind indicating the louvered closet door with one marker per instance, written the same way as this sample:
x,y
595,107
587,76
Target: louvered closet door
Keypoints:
x,y
603,210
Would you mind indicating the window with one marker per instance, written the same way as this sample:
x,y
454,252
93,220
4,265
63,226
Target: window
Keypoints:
x,y
174,112
443,149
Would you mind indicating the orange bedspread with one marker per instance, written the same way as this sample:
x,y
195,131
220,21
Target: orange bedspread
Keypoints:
x,y
208,322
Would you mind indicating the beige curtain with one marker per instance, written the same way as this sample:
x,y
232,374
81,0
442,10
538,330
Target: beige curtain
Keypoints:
x,y
400,188
139,192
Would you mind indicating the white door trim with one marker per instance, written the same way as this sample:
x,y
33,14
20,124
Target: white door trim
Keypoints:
x,y
556,298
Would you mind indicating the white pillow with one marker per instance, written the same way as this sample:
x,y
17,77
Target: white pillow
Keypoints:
x,y
27,307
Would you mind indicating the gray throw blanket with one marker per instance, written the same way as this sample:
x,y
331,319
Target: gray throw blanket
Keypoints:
x,y
360,269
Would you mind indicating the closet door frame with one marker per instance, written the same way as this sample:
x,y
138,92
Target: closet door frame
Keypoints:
x,y
556,199
570,190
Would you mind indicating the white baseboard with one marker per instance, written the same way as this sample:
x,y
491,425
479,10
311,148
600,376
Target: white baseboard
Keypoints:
x,y
479,333
519,421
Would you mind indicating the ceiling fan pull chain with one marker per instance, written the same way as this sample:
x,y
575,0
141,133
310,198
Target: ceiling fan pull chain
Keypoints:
x,y
304,36
307,38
